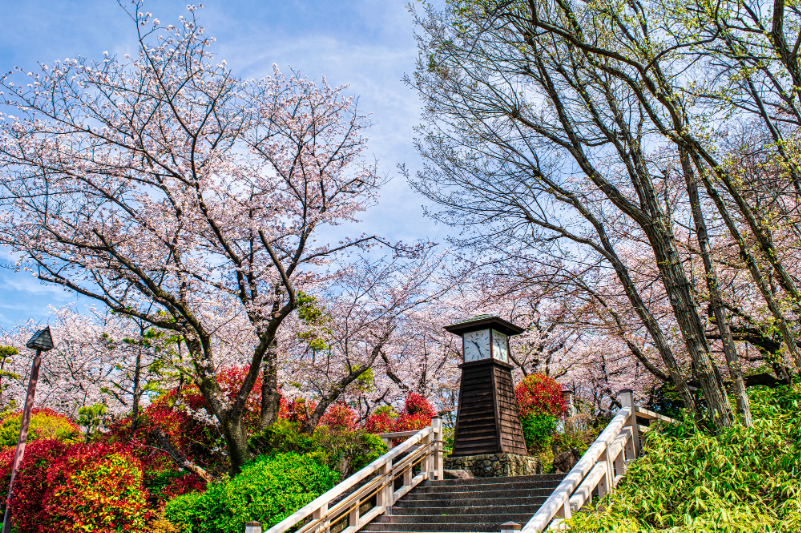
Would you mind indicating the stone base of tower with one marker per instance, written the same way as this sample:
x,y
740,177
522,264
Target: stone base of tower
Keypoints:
x,y
495,464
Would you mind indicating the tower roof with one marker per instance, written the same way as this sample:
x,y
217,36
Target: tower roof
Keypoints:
x,y
484,321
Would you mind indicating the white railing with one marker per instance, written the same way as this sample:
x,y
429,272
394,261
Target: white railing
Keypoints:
x,y
371,491
600,468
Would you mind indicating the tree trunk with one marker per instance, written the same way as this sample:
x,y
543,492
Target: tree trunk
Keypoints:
x,y
685,310
180,460
236,439
715,299
270,397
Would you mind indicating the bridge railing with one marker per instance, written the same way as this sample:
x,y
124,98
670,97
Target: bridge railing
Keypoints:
x,y
368,493
599,469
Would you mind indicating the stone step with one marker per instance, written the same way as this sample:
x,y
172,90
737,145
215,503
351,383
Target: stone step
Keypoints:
x,y
480,494
451,527
493,480
520,485
527,506
453,518
483,503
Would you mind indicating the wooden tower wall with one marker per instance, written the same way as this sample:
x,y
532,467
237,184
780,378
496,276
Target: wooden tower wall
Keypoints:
x,y
511,434
487,420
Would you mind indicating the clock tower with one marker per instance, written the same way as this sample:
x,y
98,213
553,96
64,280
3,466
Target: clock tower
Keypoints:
x,y
487,420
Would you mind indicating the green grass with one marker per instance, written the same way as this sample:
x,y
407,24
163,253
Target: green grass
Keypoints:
x,y
691,480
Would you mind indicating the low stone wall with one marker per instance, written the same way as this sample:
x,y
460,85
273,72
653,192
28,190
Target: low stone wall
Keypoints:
x,y
495,465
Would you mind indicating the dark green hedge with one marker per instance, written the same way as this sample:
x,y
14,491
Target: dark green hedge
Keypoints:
x,y
268,489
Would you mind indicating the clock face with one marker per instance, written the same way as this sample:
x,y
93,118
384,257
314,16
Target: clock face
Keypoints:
x,y
500,348
476,345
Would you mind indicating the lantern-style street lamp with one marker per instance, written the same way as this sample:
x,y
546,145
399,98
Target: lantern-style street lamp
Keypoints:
x,y
42,341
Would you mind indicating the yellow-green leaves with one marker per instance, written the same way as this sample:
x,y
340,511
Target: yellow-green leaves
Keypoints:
x,y
739,480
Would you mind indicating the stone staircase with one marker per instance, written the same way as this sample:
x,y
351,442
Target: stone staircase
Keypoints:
x,y
405,489
462,505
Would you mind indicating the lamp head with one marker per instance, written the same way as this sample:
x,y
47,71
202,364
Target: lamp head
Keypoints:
x,y
41,340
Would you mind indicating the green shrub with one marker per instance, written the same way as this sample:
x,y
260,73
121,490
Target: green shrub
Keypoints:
x,y
538,429
578,432
347,451
188,512
343,451
44,424
283,436
268,489
736,481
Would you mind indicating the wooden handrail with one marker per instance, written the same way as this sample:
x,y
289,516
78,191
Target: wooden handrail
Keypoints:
x,y
428,454
650,415
601,467
558,503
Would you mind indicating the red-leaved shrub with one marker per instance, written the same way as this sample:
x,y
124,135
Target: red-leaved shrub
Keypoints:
x,y
379,423
540,395
340,417
168,416
183,485
407,422
416,404
299,410
416,415
27,511
94,488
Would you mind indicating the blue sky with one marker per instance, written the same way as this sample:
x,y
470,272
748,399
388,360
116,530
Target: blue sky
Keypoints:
x,y
367,44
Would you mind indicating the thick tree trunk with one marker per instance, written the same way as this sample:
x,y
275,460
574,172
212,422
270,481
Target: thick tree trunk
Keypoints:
x,y
270,397
651,324
230,419
715,299
236,440
655,225
685,310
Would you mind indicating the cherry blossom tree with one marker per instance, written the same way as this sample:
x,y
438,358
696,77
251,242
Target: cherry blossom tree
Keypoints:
x,y
175,193
99,358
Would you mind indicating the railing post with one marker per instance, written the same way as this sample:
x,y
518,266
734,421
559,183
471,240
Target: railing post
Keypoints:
x,y
618,465
408,474
253,527
564,511
626,397
607,482
425,464
436,425
384,498
320,514
510,527
353,516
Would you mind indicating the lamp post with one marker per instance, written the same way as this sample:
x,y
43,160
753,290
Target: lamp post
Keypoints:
x,y
42,341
